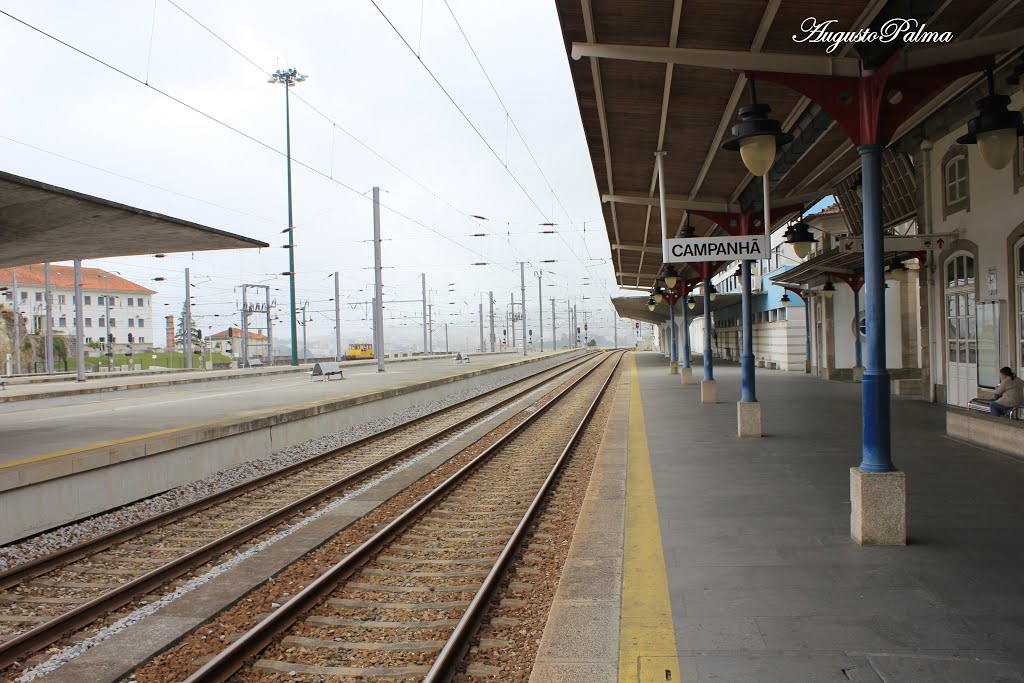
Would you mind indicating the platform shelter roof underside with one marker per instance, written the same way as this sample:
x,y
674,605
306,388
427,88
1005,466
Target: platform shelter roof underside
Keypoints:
x,y
41,222
640,92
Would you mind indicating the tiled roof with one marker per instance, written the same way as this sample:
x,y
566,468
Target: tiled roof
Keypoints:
x,y
830,210
63,277
234,333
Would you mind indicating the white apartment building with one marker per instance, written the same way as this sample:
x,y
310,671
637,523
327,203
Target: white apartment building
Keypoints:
x,y
128,305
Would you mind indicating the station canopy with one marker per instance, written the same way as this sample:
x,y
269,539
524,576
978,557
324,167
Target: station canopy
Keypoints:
x,y
635,307
41,222
639,91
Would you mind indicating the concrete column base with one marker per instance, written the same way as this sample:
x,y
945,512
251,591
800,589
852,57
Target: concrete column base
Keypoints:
x,y
673,368
748,419
858,374
878,507
708,391
686,375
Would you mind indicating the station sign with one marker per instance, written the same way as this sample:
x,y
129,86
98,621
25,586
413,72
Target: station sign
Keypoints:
x,y
694,249
908,243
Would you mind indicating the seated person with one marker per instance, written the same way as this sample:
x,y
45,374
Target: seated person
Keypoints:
x,y
1009,394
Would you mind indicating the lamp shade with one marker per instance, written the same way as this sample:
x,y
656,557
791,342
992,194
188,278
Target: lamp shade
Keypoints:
x,y
995,128
800,238
657,297
670,280
651,304
785,300
758,153
757,136
691,303
997,147
828,290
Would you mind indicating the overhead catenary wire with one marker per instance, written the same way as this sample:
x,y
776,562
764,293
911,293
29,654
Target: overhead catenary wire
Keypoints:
x,y
236,130
461,111
327,176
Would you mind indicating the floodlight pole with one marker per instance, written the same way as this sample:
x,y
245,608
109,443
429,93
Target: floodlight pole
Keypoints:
x,y
288,78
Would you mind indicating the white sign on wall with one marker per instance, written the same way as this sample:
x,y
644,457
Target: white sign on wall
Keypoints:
x,y
692,249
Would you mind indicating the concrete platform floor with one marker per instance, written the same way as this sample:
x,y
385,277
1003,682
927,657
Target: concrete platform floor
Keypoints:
x,y
765,583
52,425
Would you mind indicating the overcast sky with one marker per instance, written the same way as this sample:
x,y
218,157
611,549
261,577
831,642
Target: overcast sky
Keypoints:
x,y
383,120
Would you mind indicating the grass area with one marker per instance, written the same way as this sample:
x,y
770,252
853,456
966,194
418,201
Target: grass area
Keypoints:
x,y
143,361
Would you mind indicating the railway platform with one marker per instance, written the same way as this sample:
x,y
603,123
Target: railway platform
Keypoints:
x,y
69,456
703,556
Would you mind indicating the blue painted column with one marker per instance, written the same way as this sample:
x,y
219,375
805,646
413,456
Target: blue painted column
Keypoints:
x,y
709,367
686,334
876,450
674,355
747,392
856,325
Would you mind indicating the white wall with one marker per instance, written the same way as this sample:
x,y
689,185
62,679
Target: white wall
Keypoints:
x,y
845,341
120,311
995,211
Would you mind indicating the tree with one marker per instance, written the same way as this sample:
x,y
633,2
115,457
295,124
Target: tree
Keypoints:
x,y
180,335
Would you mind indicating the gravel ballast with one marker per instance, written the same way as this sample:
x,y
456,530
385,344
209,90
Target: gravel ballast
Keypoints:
x,y
37,546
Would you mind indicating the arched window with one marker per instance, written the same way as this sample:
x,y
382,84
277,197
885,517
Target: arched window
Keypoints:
x,y
961,328
956,187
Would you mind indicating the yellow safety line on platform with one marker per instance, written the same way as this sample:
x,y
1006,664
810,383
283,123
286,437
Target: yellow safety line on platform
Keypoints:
x,y
647,645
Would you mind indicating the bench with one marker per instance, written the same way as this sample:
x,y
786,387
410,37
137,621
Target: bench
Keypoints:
x,y
981,405
326,370
255,362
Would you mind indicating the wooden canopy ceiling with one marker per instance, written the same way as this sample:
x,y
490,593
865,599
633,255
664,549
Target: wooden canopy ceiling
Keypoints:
x,y
631,109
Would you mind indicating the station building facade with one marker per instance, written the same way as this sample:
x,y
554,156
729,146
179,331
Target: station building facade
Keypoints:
x,y
954,311
130,304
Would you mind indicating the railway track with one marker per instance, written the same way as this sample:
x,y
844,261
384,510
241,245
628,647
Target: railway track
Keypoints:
x,y
62,592
405,604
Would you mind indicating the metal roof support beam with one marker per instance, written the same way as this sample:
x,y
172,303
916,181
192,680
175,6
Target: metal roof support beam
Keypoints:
x,y
810,65
637,247
718,207
734,60
595,71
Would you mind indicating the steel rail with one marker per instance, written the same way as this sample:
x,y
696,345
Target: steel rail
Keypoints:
x,y
87,547
227,662
445,666
52,630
